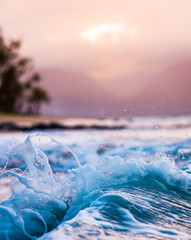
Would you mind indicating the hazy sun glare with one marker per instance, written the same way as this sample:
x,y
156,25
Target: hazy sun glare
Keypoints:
x,y
94,34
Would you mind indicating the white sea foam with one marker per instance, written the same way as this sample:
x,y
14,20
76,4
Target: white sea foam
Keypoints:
x,y
126,186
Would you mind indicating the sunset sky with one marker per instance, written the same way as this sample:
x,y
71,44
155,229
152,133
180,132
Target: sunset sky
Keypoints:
x,y
104,57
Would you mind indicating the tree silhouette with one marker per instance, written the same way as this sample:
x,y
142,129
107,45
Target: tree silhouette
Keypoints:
x,y
37,96
19,85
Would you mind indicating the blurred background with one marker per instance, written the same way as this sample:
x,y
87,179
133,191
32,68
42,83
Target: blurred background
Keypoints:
x,y
100,58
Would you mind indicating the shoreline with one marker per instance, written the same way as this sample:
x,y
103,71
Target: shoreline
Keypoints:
x,y
28,123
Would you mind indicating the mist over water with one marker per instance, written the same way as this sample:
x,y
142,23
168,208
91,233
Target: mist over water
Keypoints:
x,y
133,183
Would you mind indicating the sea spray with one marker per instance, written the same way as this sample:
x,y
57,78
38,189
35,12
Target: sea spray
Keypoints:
x,y
34,198
113,195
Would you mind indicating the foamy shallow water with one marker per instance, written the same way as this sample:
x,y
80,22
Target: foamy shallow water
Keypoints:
x,y
91,184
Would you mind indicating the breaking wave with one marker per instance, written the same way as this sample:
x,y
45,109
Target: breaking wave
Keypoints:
x,y
56,193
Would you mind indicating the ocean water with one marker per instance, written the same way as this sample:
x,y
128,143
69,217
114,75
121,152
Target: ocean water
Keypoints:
x,y
133,183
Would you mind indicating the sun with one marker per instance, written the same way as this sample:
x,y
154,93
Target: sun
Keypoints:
x,y
98,32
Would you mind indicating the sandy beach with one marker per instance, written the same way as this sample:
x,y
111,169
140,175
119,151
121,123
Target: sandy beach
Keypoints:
x,y
28,120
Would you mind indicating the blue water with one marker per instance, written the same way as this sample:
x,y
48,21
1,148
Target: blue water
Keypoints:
x,y
115,184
